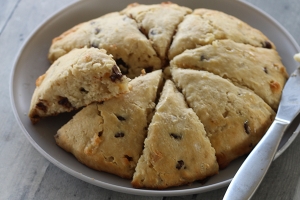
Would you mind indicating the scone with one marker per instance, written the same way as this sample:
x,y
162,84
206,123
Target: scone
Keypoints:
x,y
204,26
257,69
234,118
119,35
158,22
77,79
109,136
223,85
177,150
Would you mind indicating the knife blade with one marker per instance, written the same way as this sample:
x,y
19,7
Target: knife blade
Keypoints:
x,y
256,165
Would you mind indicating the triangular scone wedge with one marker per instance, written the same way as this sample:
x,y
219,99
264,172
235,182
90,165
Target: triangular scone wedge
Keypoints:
x,y
177,150
119,35
77,79
158,22
234,118
257,69
204,26
109,136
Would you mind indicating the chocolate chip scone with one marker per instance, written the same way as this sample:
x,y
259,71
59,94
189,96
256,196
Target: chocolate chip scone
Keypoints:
x,y
158,22
119,35
229,80
257,69
234,118
204,26
109,136
177,150
77,79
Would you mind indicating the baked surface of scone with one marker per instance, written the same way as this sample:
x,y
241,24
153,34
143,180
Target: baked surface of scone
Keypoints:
x,y
177,150
158,22
77,79
118,35
220,82
235,119
109,136
204,26
257,69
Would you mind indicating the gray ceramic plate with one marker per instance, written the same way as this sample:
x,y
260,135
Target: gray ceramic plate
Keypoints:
x,y
32,62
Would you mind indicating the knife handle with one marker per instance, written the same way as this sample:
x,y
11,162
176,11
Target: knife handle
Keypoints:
x,y
256,165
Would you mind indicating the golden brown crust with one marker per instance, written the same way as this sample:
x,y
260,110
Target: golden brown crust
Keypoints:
x,y
73,82
257,69
66,33
204,26
234,118
109,136
39,80
177,150
119,35
159,32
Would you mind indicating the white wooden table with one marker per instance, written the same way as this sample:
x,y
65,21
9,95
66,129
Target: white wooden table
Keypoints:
x,y
26,174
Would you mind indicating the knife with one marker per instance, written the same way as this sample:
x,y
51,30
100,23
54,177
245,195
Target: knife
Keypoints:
x,y
254,168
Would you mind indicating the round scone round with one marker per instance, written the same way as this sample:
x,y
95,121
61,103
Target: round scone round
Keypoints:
x,y
74,80
211,90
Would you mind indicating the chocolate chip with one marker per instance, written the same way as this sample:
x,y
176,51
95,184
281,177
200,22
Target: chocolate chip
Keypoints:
x,y
83,90
266,70
202,58
179,164
97,30
247,127
267,45
152,32
128,158
100,133
120,118
176,136
41,106
94,45
64,102
115,74
148,69
120,134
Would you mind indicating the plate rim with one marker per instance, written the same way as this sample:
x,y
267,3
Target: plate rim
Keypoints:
x,y
144,192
